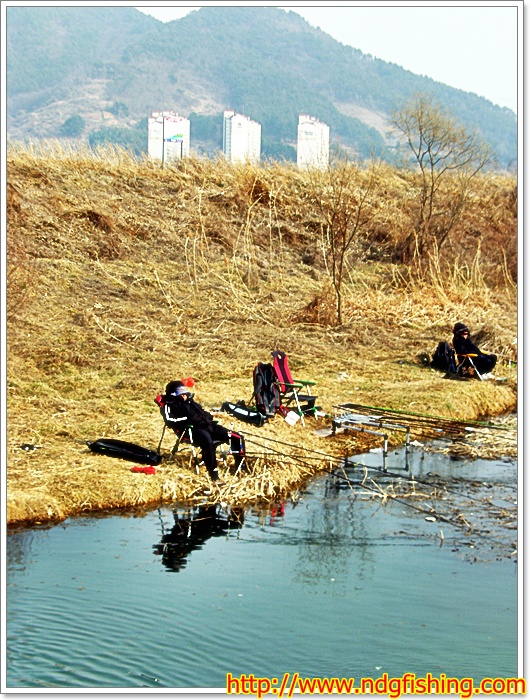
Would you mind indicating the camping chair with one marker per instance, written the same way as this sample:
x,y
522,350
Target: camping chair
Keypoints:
x,y
185,439
297,391
465,367
457,366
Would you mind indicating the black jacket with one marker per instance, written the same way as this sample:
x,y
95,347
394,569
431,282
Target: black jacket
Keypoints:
x,y
465,346
180,413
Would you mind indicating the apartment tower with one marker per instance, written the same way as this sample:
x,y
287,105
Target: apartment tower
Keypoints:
x,y
241,138
168,136
313,143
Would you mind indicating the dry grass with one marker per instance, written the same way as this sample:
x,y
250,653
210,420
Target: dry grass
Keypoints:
x,y
124,275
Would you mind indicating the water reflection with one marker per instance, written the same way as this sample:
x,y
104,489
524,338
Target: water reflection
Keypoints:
x,y
190,531
371,578
18,548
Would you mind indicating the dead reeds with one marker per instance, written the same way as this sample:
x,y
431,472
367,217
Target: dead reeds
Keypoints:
x,y
144,274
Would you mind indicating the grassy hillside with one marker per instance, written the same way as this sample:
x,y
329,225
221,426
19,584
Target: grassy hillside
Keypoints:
x,y
123,275
48,46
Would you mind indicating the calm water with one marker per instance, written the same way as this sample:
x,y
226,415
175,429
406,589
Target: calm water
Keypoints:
x,y
335,585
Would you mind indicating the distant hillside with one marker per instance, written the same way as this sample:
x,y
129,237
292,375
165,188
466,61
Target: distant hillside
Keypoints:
x,y
112,66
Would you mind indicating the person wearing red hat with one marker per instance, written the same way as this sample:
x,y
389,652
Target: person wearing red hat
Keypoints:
x,y
181,412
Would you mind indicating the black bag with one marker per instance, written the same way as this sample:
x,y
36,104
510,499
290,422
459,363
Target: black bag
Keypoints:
x,y
125,450
444,358
266,390
244,413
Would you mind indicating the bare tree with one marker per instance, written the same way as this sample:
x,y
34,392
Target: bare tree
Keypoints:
x,y
342,194
445,153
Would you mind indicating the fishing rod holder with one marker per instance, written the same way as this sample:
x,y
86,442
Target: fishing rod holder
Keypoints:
x,y
345,419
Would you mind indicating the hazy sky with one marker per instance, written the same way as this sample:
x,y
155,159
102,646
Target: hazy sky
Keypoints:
x,y
474,46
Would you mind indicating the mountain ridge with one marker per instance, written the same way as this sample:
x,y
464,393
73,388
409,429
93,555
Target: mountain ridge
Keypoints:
x,y
265,62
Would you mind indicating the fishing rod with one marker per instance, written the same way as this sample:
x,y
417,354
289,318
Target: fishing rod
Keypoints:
x,y
423,426
426,417
294,457
378,491
288,444
420,426
344,461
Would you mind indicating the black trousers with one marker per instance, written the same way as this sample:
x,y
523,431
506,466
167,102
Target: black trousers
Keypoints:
x,y
206,440
485,363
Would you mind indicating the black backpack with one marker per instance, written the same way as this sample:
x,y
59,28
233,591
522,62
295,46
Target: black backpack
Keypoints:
x,y
266,391
444,358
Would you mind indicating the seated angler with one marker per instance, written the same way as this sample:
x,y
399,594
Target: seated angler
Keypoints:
x,y
463,345
181,411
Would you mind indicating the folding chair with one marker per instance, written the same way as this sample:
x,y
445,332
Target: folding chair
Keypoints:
x,y
465,367
185,439
290,389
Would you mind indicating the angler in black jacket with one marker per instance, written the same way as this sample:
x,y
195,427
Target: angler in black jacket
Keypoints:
x,y
181,411
463,345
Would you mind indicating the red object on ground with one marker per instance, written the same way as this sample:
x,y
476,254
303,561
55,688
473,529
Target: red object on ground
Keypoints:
x,y
189,382
144,470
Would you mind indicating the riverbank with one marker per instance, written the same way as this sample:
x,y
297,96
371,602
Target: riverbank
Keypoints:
x,y
60,477
123,276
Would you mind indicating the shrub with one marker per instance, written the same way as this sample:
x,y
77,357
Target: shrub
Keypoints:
x,y
73,126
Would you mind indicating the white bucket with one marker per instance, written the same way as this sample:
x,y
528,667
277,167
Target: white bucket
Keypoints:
x,y
292,418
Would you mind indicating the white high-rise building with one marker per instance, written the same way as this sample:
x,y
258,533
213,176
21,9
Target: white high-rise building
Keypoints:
x,y
241,138
313,143
168,136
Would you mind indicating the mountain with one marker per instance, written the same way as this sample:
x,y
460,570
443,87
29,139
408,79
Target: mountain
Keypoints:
x,y
110,67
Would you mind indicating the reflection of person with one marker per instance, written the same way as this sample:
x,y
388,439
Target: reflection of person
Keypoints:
x,y
190,533
181,411
463,345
